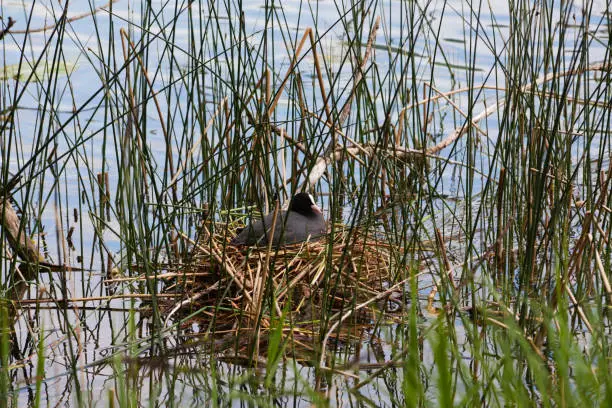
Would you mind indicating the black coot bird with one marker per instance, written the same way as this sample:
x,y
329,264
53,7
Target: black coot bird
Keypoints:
x,y
303,221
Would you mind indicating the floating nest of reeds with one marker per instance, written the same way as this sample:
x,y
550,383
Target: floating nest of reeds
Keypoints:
x,y
226,289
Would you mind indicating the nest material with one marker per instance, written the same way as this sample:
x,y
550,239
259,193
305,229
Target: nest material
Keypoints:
x,y
236,288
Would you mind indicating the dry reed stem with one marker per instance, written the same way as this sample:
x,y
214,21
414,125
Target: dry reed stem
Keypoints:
x,y
100,298
227,265
322,163
446,261
168,275
460,131
358,74
449,94
189,301
602,271
585,320
340,133
602,233
458,109
24,248
315,56
16,236
68,20
329,155
279,92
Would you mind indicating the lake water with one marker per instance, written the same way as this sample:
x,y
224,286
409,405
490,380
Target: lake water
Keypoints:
x,y
87,108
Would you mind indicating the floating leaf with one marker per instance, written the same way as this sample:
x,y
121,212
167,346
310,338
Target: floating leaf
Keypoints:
x,y
42,71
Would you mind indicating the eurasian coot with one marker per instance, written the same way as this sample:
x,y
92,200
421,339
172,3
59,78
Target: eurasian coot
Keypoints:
x,y
303,221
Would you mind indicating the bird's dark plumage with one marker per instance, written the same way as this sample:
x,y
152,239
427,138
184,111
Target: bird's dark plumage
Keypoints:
x,y
301,222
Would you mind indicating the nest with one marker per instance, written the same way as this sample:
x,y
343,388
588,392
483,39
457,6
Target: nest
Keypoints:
x,y
228,289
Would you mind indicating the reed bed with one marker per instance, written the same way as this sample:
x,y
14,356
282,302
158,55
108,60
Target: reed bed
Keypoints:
x,y
243,289
480,132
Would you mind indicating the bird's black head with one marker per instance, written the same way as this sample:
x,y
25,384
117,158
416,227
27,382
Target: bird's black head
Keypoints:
x,y
304,204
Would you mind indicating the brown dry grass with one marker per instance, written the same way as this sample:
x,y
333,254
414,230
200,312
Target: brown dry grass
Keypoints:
x,y
232,291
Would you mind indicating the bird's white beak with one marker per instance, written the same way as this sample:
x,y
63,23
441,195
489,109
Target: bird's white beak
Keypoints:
x,y
316,209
